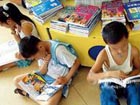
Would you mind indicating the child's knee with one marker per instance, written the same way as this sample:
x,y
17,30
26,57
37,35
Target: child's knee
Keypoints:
x,y
16,80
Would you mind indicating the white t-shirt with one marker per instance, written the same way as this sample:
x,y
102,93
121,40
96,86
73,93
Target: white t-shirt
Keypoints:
x,y
65,57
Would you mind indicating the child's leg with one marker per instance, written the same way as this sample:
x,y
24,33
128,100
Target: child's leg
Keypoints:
x,y
7,66
108,95
54,100
132,95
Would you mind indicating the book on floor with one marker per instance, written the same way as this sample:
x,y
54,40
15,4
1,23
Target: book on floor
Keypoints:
x,y
121,82
8,50
37,88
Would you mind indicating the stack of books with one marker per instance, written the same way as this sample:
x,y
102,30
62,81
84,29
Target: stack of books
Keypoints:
x,y
112,11
43,11
83,19
58,22
132,12
31,3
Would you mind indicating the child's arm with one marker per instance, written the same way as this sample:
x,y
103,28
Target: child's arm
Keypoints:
x,y
135,61
73,69
96,72
44,66
16,36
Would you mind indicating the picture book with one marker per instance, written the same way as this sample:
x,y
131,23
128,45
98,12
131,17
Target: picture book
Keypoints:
x,y
8,50
63,14
32,3
83,15
121,82
112,10
46,7
37,88
132,11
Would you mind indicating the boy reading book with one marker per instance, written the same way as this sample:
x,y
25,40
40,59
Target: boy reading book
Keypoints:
x,y
116,60
57,64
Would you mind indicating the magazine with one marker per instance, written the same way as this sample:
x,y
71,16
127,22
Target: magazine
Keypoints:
x,y
37,88
112,10
49,6
121,82
132,11
83,15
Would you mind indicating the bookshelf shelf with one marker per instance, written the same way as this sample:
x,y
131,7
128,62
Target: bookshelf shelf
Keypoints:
x,y
80,43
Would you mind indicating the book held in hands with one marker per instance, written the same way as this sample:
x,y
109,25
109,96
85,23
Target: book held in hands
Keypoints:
x,y
37,88
121,82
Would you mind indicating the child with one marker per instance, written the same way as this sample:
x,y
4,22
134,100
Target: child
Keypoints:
x,y
20,25
117,60
55,61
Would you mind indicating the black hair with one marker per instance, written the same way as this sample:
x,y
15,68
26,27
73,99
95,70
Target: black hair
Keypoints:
x,y
9,10
28,46
23,3
113,32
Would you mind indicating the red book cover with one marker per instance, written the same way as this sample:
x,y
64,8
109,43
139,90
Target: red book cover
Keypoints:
x,y
112,10
83,14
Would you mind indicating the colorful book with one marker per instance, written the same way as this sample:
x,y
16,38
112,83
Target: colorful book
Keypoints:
x,y
46,7
132,11
37,88
58,22
112,10
121,82
83,15
63,14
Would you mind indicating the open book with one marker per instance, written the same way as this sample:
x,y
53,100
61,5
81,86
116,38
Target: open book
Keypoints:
x,y
121,82
8,50
37,88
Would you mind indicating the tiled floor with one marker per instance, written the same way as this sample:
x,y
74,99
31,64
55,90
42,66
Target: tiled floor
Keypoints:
x,y
81,92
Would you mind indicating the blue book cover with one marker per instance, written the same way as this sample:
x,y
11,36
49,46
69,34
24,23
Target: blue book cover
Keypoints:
x,y
46,6
132,10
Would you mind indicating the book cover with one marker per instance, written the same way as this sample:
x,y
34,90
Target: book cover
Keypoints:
x,y
121,82
83,15
7,52
132,11
112,10
37,88
46,6
63,14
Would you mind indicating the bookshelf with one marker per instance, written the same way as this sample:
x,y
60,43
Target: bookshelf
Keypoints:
x,y
82,44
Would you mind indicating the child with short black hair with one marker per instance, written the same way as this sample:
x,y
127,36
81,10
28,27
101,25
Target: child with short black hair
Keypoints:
x,y
56,61
119,59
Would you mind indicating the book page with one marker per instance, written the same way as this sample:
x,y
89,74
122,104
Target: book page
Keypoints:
x,y
132,79
7,52
37,88
112,80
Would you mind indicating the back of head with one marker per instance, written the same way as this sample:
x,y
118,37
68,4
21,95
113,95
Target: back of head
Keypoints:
x,y
113,32
28,46
9,10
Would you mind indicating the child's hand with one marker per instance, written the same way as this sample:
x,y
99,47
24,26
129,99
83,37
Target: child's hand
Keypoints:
x,y
61,80
47,58
13,32
119,74
19,56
